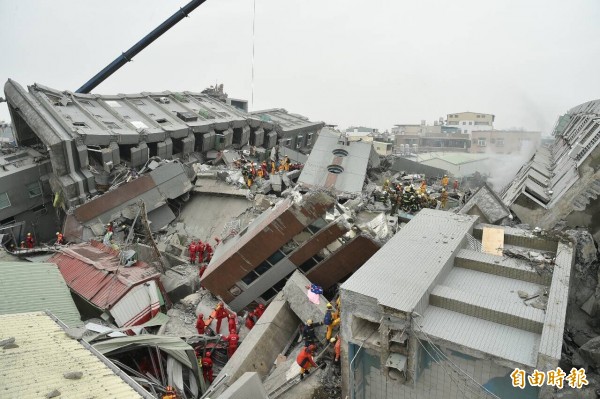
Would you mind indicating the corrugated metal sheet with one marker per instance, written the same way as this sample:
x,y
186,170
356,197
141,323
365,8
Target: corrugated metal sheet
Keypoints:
x,y
139,305
93,272
31,287
44,354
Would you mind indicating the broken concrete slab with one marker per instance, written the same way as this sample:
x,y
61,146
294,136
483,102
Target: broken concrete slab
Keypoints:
x,y
180,281
212,186
247,386
276,182
262,345
295,293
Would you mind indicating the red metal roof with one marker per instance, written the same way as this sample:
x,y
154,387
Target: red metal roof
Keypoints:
x,y
93,271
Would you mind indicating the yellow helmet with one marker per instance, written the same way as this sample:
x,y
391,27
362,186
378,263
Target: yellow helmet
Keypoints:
x,y
309,322
329,306
332,340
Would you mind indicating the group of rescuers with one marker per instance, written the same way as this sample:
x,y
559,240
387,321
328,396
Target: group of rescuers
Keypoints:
x,y
410,199
305,358
251,172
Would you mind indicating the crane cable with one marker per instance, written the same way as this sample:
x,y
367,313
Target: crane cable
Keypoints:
x,y
253,30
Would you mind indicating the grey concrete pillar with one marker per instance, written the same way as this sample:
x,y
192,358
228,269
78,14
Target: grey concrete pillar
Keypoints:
x,y
139,154
164,149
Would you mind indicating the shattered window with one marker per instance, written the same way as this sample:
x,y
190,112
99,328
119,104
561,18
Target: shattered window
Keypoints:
x,y
276,257
34,189
4,201
309,264
250,277
263,268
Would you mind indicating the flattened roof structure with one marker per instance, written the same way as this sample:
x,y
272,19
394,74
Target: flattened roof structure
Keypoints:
x,y
40,287
45,353
148,116
94,272
284,120
336,164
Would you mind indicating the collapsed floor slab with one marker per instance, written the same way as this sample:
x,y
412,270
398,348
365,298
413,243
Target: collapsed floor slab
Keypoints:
x,y
262,345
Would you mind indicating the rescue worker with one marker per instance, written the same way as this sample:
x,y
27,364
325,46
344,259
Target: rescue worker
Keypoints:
x,y
423,185
250,320
308,332
109,228
263,167
220,313
59,238
192,248
305,360
207,365
200,325
170,393
455,185
273,167
445,181
331,320
232,323
23,245
29,241
337,349
259,311
444,198
200,251
286,163
209,252
233,339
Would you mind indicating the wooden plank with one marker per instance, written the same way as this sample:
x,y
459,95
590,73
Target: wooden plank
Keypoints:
x,y
493,240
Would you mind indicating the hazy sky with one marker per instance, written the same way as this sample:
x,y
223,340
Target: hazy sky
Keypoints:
x,y
373,63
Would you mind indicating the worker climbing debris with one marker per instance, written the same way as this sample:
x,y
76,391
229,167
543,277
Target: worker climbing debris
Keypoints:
x,y
207,367
308,332
60,240
444,198
331,320
219,313
305,360
200,325
192,250
232,339
232,323
29,241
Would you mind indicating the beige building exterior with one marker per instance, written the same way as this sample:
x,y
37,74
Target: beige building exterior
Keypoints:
x,y
469,122
505,141
383,149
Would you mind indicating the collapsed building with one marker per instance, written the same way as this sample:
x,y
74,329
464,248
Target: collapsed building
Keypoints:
x,y
89,138
128,295
313,235
562,181
25,195
446,309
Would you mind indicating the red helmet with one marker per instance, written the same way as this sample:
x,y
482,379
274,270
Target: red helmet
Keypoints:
x,y
261,306
312,347
232,316
208,354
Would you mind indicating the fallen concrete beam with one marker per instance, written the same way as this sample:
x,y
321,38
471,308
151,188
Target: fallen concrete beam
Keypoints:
x,y
295,293
262,345
212,186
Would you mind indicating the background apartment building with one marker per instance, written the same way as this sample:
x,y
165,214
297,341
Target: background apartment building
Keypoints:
x,y
505,141
469,122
